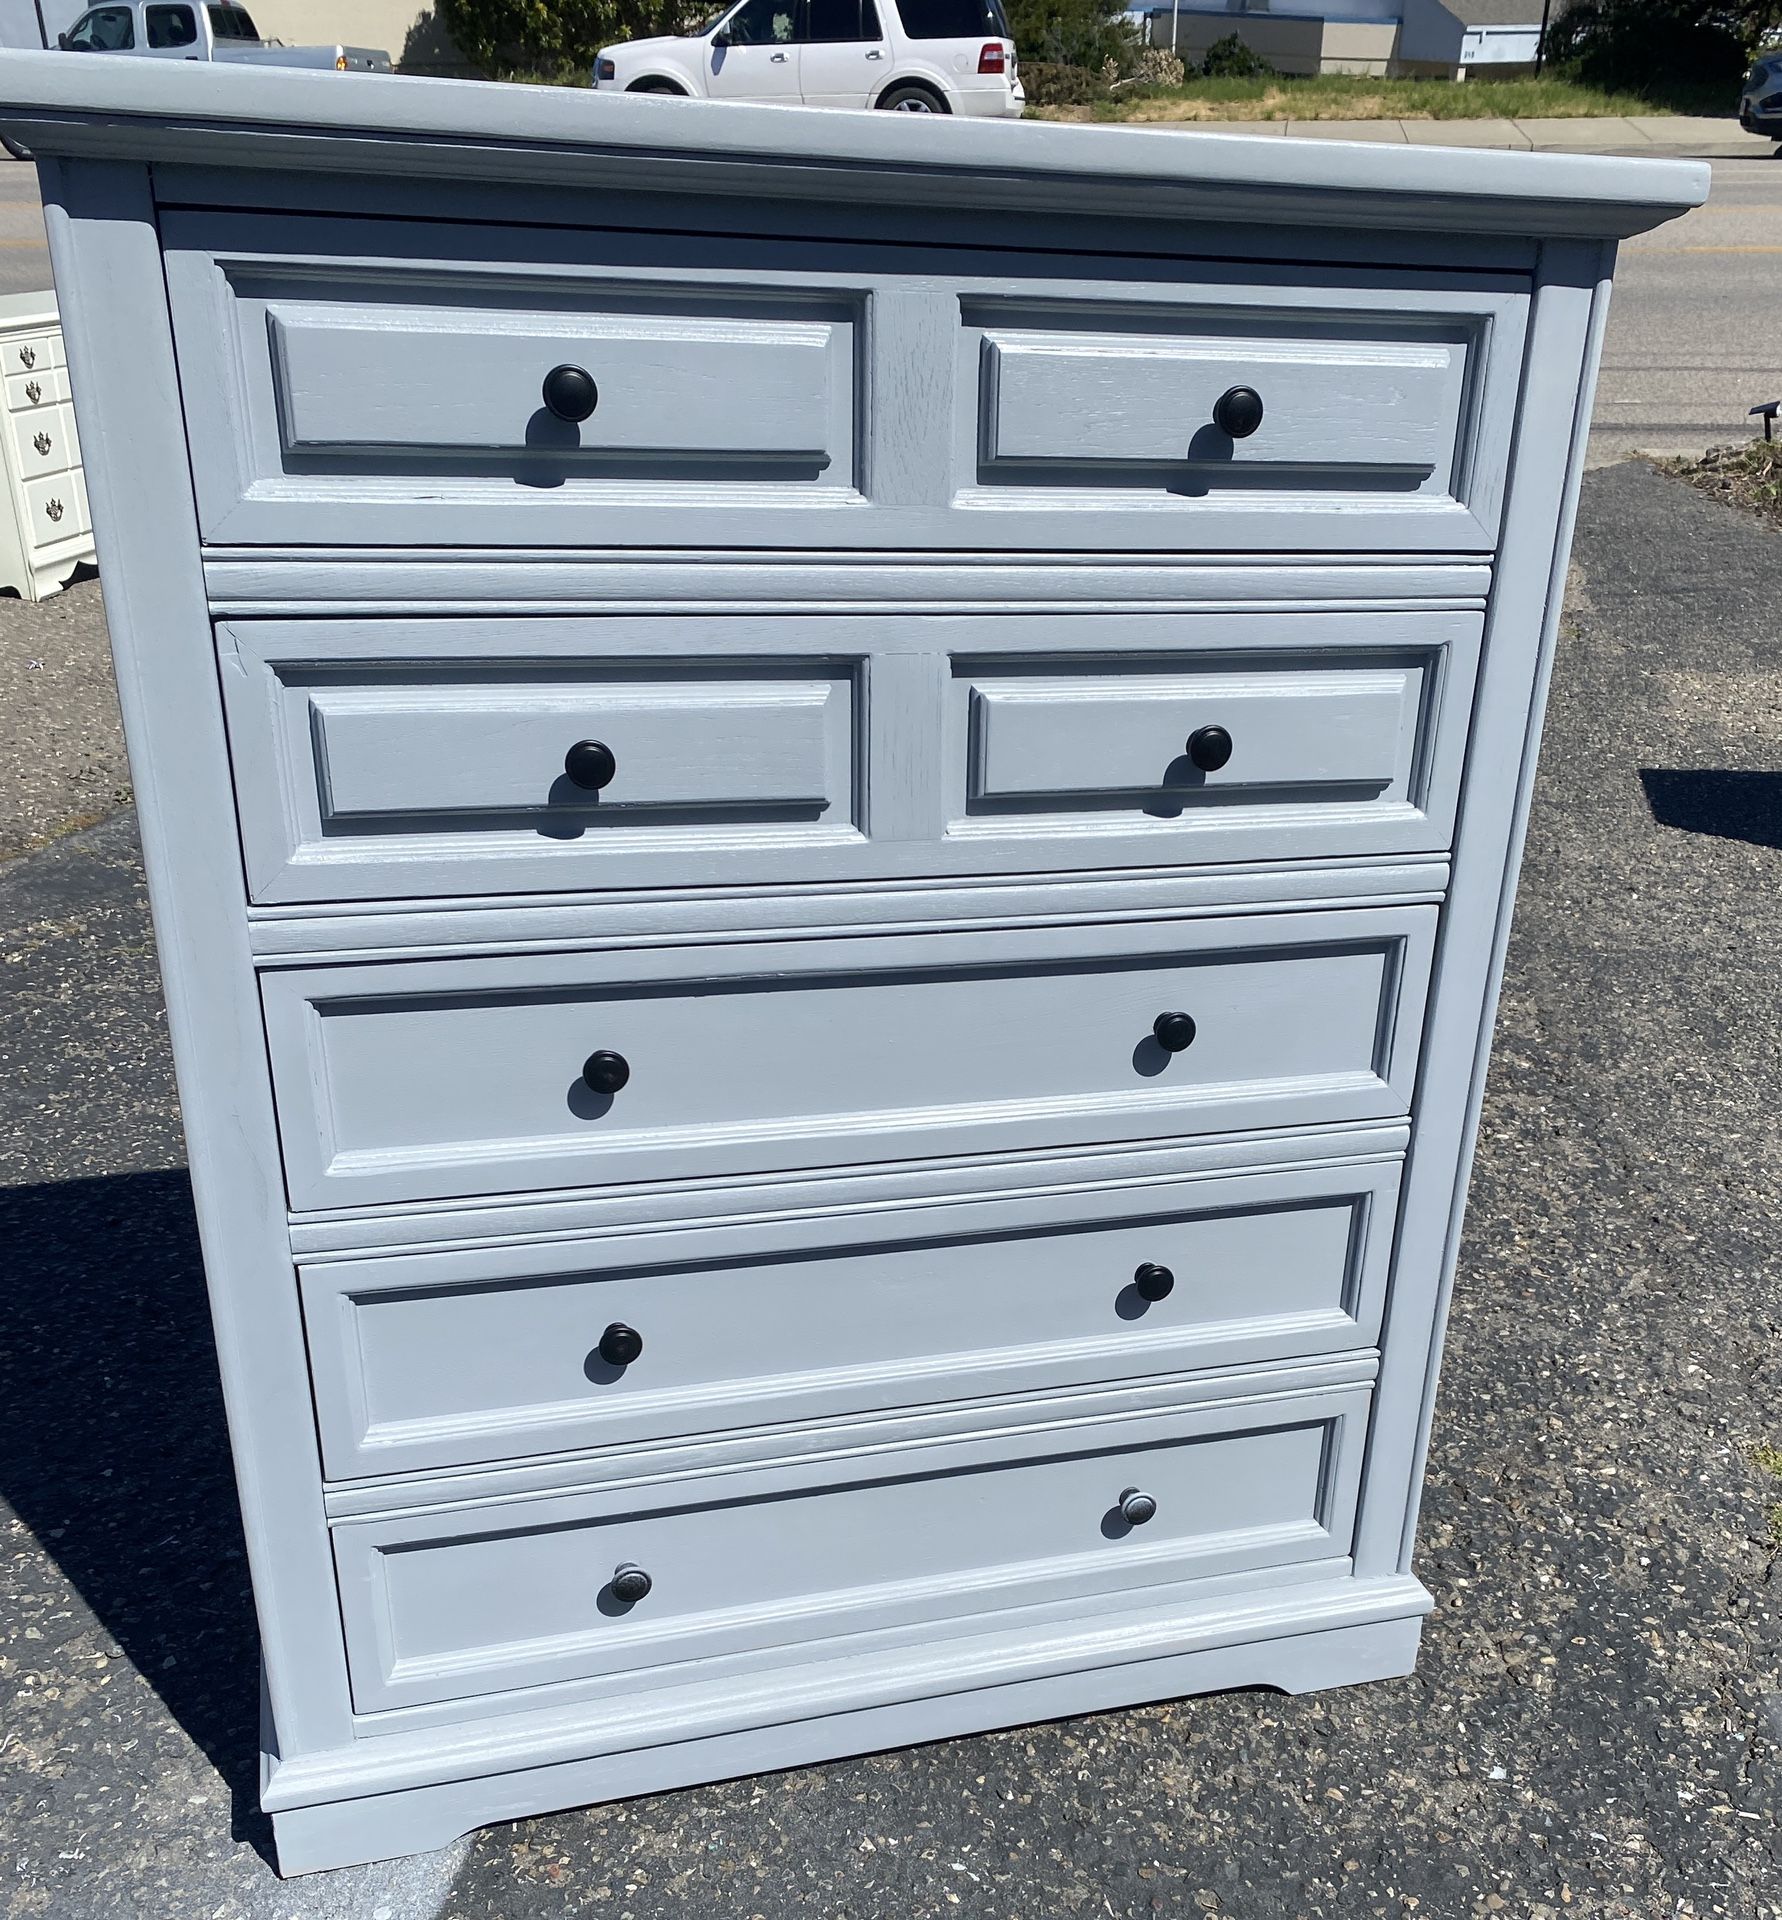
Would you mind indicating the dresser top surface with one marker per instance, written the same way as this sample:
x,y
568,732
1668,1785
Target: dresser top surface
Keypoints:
x,y
171,111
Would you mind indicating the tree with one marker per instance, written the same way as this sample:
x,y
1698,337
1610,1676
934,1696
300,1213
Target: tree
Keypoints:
x,y
552,39
1073,33
1653,45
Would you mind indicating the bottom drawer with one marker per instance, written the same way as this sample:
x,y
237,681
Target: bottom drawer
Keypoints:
x,y
55,508
496,1596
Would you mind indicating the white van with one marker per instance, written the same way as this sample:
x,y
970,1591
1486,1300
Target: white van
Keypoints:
x,y
912,56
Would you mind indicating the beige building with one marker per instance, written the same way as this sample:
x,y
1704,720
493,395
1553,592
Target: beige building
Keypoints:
x,y
408,31
1442,39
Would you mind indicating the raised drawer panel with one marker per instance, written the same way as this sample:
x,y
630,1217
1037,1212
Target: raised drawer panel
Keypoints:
x,y
379,772
445,1078
45,387
441,1606
33,353
1341,408
450,1359
681,392
382,383
56,508
43,441
390,759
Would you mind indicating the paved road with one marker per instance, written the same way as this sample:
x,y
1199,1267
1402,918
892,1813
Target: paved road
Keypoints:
x,y
1695,329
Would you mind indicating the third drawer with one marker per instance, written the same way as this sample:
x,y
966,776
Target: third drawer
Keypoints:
x,y
454,1078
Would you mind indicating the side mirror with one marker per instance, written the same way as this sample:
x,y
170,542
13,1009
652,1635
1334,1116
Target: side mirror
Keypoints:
x,y
62,41
720,41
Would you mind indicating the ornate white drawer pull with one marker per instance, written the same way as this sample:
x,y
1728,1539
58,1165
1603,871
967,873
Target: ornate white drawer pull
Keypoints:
x,y
41,442
33,392
55,509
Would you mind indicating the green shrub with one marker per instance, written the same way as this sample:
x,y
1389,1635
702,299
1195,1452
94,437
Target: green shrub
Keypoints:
x,y
1070,33
1050,83
551,39
1231,59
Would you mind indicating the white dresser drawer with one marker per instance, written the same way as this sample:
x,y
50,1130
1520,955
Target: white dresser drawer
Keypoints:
x,y
453,1358
485,1598
43,441
46,387
1217,399
435,1079
56,508
389,759
32,353
385,383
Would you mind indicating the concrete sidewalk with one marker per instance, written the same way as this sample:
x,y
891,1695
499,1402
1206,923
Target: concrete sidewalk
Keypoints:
x,y
1664,136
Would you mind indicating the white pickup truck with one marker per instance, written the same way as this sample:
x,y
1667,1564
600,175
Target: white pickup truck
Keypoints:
x,y
202,30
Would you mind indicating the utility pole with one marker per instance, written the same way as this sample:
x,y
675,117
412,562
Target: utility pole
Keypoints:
x,y
1541,44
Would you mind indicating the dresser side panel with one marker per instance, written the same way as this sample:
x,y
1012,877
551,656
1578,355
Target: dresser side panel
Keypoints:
x,y
106,255
1559,381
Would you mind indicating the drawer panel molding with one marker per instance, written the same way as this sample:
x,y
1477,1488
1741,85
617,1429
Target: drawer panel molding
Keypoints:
x,y
429,1080
486,1599
400,759
448,1360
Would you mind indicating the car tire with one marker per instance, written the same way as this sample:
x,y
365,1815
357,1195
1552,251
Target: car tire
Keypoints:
x,y
909,97
667,87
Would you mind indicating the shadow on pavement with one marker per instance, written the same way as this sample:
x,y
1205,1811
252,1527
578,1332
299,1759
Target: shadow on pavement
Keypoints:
x,y
1729,805
112,1445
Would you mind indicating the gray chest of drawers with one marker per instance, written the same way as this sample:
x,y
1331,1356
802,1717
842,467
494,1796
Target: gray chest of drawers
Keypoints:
x,y
831,813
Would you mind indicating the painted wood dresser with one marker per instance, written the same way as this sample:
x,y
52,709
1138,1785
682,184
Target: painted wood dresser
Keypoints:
x,y
46,535
831,805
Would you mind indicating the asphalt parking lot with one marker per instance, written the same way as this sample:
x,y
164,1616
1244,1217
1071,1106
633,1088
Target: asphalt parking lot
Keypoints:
x,y
1596,1724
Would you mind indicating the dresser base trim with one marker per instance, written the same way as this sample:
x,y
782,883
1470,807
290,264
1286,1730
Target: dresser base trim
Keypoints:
x,y
369,1801
341,1833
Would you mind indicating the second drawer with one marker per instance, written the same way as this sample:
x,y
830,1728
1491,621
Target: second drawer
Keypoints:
x,y
438,1079
454,1358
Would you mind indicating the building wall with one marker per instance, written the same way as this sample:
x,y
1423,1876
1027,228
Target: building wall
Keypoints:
x,y
1359,46
406,29
1290,43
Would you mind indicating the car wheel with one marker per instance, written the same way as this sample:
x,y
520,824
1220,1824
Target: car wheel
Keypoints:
x,y
912,99
659,86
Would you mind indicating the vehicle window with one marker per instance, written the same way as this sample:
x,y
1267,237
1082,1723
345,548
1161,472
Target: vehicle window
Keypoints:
x,y
764,23
842,20
104,30
171,26
233,23
953,19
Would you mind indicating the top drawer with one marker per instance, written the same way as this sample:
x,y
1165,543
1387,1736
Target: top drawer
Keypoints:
x,y
399,384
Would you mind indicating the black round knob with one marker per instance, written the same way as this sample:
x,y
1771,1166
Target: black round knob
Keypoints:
x,y
570,393
590,764
620,1344
605,1072
1238,412
631,1584
1136,1508
1208,747
1174,1031
1153,1282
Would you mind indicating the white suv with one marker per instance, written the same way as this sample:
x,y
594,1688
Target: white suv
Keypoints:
x,y
913,56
